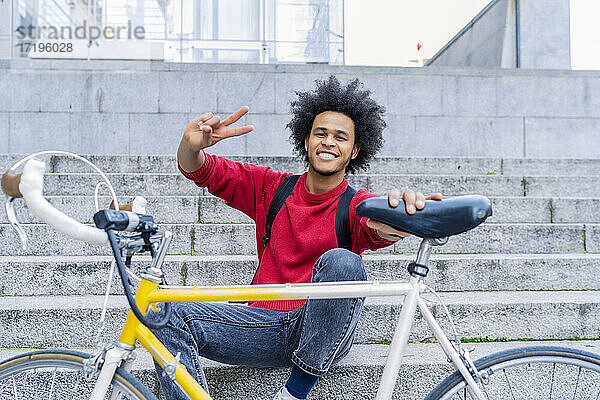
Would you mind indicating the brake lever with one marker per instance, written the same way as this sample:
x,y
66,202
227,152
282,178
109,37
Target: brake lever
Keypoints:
x,y
14,222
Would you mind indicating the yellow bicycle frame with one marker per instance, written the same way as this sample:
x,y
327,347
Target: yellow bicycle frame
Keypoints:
x,y
135,330
149,293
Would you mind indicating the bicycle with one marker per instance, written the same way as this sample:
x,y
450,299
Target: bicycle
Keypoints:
x,y
519,372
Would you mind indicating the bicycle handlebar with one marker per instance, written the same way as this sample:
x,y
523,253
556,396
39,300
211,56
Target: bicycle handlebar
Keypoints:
x,y
31,184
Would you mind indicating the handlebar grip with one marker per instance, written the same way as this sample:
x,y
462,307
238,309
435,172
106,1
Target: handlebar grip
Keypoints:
x,y
122,207
10,184
31,186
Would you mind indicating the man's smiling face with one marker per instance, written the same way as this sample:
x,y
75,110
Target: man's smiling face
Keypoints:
x,y
330,145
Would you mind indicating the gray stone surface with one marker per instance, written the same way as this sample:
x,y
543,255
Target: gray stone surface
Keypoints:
x,y
486,108
66,91
415,95
98,133
4,124
592,238
551,166
509,238
156,184
189,92
270,135
541,96
478,44
43,240
575,186
487,238
466,95
156,133
576,210
513,315
467,136
524,209
489,39
545,30
287,84
213,210
109,163
71,275
30,132
236,89
376,84
216,239
87,275
491,185
125,92
510,272
398,136
592,90
546,137
164,209
23,87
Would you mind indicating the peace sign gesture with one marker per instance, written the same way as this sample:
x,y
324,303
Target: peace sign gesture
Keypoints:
x,y
208,129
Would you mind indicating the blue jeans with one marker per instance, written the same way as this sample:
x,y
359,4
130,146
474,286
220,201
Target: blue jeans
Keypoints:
x,y
313,337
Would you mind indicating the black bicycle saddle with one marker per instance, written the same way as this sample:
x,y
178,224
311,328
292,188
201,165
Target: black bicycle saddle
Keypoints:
x,y
439,218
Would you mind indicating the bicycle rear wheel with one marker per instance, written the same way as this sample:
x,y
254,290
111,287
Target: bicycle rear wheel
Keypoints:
x,y
532,373
58,374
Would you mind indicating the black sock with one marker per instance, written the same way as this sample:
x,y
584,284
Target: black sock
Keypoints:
x,y
300,383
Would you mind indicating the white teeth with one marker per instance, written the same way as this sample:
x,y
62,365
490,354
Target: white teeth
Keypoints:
x,y
326,155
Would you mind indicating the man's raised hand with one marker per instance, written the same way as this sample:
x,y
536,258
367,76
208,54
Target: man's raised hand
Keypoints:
x,y
208,129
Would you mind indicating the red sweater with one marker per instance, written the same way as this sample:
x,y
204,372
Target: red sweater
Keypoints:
x,y
303,229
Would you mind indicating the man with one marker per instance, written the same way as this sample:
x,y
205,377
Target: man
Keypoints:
x,y
337,130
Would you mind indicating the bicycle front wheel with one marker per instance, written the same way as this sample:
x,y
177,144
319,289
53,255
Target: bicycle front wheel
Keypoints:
x,y
58,374
532,373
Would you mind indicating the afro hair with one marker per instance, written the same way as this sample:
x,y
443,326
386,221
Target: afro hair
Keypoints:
x,y
352,101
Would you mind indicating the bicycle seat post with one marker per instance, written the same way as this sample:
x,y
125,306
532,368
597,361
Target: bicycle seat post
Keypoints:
x,y
419,268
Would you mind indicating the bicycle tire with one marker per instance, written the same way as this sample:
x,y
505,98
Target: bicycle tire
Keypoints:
x,y
538,372
58,374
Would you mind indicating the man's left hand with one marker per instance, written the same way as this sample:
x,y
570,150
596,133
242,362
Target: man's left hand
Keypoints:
x,y
413,200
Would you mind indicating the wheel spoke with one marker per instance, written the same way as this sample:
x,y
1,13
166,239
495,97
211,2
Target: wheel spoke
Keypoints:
x,y
577,383
14,387
76,387
552,380
52,386
509,385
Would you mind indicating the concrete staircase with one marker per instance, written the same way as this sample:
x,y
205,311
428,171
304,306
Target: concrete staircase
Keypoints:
x,y
530,272
525,138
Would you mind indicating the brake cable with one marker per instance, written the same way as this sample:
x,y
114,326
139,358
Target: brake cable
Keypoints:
x,y
125,280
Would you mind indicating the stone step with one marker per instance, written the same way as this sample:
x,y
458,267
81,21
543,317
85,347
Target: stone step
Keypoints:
x,y
88,275
222,239
210,209
175,184
44,321
380,165
356,377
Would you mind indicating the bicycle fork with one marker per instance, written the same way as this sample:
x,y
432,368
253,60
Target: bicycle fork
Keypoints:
x,y
108,361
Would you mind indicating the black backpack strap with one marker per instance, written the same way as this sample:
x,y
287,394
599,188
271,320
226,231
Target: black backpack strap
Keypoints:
x,y
342,219
284,191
